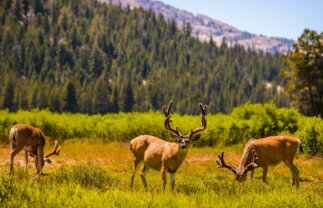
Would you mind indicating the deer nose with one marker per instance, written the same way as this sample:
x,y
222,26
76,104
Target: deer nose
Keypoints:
x,y
183,146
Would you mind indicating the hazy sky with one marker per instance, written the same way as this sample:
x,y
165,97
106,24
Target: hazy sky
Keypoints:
x,y
274,18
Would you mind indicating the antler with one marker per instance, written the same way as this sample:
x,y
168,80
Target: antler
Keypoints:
x,y
254,162
167,120
56,150
223,165
203,110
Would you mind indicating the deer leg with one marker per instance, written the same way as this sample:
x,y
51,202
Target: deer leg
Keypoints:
x,y
134,168
172,180
296,175
163,172
143,174
14,152
36,163
264,174
291,168
26,161
251,174
40,155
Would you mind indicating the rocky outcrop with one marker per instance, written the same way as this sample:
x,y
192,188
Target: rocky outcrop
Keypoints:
x,y
205,27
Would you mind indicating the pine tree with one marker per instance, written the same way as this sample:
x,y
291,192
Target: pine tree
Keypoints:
x,y
127,97
305,86
54,100
9,93
38,6
50,46
114,100
69,98
100,97
34,98
16,9
97,63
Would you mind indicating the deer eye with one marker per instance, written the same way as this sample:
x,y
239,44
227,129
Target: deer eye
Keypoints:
x,y
188,141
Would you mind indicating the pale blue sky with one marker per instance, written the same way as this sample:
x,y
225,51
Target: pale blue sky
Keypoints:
x,y
273,18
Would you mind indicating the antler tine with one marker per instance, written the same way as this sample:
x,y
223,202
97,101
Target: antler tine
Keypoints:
x,y
203,126
166,112
167,119
203,109
169,128
55,151
224,165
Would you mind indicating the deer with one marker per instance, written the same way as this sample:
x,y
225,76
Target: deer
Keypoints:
x,y
32,141
161,155
264,152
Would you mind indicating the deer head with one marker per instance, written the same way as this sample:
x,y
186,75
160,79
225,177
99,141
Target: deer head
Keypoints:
x,y
241,173
55,151
183,140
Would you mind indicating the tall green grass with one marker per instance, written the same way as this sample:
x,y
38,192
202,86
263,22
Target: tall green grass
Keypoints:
x,y
245,122
191,191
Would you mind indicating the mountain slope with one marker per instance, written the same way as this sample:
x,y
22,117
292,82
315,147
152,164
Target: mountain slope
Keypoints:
x,y
91,57
204,27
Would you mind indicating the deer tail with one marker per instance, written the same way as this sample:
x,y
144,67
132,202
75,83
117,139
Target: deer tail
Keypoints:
x,y
300,146
130,145
13,135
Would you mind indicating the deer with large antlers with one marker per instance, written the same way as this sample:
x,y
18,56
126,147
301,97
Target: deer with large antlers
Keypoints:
x,y
264,152
32,141
160,155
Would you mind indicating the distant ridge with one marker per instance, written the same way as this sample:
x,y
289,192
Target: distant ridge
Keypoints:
x,y
204,27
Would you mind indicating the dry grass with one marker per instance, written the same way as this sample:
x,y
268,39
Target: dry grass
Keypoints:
x,y
197,179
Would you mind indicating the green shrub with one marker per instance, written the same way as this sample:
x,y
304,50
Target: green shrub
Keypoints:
x,y
310,132
245,122
89,176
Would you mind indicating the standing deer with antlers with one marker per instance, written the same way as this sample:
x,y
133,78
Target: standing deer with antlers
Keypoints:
x,y
264,152
32,141
160,155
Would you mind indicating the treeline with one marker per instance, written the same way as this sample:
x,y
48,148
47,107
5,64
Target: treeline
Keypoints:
x,y
245,122
91,57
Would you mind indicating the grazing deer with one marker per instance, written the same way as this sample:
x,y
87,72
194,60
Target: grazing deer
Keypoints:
x,y
160,155
264,152
32,140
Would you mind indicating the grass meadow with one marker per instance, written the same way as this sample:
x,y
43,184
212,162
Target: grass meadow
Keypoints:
x,y
93,173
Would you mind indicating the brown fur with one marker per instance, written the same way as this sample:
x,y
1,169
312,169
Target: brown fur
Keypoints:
x,y
160,155
31,140
157,154
269,151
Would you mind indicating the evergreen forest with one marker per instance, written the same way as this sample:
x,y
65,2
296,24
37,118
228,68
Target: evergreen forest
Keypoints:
x,y
92,57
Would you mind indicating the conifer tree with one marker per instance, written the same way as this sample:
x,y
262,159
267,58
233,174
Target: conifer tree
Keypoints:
x,y
69,98
114,100
100,97
305,86
9,93
127,97
148,59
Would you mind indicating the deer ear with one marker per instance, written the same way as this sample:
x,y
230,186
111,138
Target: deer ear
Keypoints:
x,y
251,166
174,136
47,160
196,137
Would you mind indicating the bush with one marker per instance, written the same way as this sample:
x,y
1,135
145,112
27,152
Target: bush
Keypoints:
x,y
310,132
88,176
245,122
